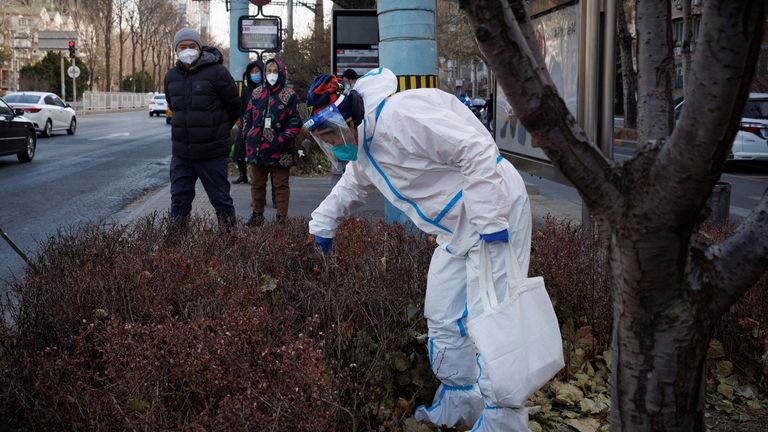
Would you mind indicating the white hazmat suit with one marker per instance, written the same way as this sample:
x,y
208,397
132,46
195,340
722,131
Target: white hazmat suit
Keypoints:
x,y
431,158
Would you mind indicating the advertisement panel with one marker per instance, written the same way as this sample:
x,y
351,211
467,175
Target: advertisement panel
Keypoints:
x,y
557,33
355,40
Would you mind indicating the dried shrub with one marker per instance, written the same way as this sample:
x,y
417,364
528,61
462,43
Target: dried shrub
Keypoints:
x,y
577,274
364,302
135,327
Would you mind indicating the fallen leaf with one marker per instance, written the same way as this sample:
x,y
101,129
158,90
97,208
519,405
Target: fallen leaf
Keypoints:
x,y
137,405
400,361
567,394
716,350
747,391
725,390
267,283
534,426
724,369
584,424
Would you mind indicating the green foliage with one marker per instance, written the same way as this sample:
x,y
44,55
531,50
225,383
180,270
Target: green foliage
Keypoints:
x,y
45,75
139,76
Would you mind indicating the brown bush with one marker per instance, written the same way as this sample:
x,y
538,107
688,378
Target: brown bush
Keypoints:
x,y
127,327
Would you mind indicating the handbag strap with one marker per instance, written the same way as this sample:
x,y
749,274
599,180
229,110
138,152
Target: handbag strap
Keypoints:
x,y
514,272
485,279
485,275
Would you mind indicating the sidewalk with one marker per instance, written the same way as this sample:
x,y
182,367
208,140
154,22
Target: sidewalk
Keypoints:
x,y
307,193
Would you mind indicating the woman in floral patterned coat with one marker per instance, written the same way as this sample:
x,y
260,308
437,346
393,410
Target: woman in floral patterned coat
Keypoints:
x,y
270,125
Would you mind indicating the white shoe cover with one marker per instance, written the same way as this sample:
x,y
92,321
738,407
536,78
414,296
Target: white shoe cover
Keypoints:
x,y
498,419
453,406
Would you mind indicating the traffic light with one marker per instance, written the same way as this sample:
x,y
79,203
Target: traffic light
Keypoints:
x,y
72,49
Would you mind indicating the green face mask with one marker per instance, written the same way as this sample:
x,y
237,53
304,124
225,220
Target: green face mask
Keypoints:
x,y
345,152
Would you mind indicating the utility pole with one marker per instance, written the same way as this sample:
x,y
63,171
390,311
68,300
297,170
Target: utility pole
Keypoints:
x,y
238,60
407,46
290,20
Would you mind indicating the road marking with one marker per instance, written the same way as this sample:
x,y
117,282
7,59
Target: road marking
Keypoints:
x,y
114,135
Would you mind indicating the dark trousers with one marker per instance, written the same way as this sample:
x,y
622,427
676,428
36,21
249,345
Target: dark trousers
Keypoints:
x,y
280,186
212,173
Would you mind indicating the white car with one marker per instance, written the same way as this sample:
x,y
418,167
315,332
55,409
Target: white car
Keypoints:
x,y
46,111
157,105
751,142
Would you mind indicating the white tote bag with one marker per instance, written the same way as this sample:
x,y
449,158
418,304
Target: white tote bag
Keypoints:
x,y
519,338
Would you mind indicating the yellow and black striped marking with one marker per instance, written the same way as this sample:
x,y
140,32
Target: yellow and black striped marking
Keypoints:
x,y
408,82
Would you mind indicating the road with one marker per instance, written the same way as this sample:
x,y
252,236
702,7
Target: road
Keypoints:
x,y
748,181
87,177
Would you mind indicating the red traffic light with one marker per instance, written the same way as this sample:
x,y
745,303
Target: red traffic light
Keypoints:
x,y
71,44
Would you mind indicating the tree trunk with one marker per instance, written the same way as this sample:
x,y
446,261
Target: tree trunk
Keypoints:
x,y
143,58
628,73
108,56
669,290
660,342
686,43
133,62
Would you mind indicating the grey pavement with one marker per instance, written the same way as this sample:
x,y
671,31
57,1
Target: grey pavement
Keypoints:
x,y
308,192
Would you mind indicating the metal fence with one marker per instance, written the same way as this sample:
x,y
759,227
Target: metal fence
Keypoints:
x,y
106,101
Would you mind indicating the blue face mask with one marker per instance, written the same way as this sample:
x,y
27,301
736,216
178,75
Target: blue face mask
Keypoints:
x,y
256,78
345,152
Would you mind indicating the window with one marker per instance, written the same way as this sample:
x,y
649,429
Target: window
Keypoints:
x,y
22,98
5,110
159,97
756,109
49,100
58,102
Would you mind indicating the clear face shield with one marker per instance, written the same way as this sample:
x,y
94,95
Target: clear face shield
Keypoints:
x,y
332,133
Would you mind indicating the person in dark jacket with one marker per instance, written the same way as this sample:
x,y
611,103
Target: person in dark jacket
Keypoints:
x,y
205,104
253,78
270,125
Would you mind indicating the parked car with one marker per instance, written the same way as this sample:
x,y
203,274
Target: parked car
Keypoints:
x,y
476,105
157,105
751,142
46,111
168,115
17,133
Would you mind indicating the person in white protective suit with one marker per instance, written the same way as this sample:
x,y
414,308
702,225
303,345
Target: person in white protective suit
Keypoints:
x,y
434,160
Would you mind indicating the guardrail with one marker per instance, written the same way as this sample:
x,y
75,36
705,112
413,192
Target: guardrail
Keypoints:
x,y
107,101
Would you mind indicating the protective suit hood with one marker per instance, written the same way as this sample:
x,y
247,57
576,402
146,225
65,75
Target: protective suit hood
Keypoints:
x,y
374,87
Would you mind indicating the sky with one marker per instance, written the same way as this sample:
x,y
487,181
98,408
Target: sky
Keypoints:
x,y
302,18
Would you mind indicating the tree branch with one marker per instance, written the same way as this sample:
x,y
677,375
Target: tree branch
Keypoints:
x,y
654,70
528,87
691,162
731,268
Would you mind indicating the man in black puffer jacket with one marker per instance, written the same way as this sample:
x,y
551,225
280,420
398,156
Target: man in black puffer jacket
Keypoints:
x,y
205,104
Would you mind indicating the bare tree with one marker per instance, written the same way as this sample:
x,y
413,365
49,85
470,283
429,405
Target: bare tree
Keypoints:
x,y
628,73
121,16
669,290
132,20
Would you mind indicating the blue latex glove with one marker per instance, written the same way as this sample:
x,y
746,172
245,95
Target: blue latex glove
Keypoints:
x,y
502,236
325,244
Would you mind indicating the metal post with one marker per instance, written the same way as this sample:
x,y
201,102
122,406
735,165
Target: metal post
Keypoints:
x,y
238,60
74,86
290,20
63,80
407,46
609,79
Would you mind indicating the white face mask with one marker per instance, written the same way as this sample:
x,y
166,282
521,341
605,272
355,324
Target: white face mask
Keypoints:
x,y
189,55
271,78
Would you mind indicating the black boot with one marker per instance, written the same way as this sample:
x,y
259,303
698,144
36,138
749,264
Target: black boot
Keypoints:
x,y
242,168
226,223
256,219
